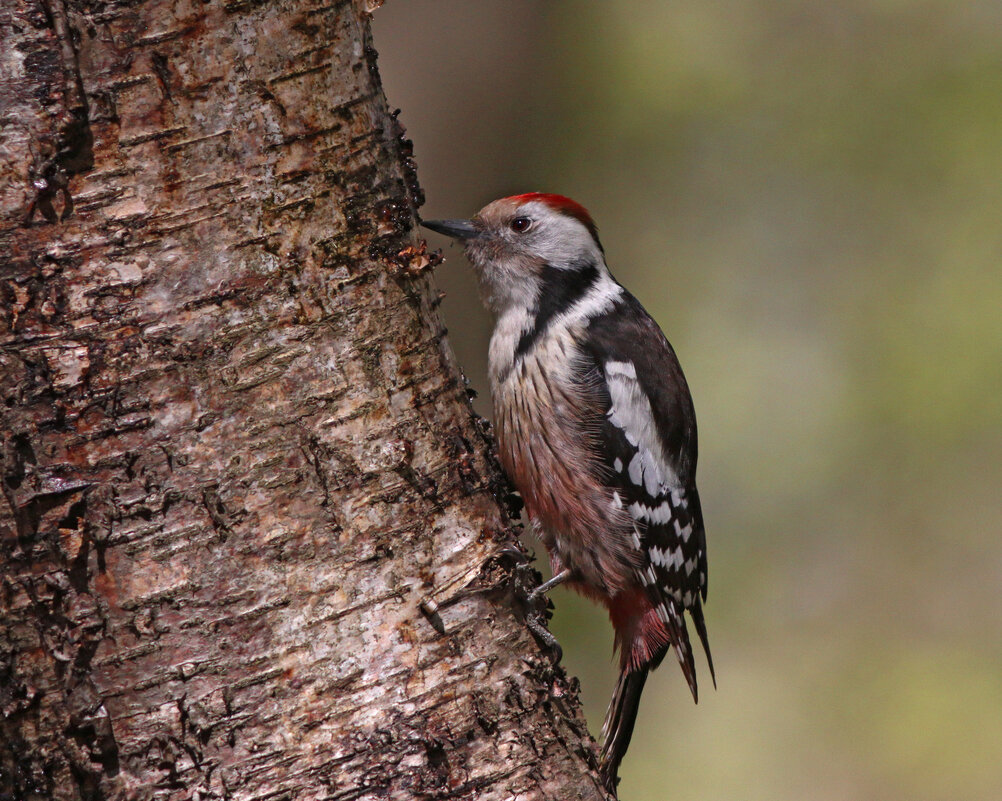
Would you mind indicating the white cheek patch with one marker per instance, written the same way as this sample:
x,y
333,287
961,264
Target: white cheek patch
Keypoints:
x,y
504,282
631,412
561,239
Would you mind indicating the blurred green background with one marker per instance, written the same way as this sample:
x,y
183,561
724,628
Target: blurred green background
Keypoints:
x,y
808,197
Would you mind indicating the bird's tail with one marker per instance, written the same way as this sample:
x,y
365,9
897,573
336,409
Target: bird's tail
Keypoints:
x,y
619,719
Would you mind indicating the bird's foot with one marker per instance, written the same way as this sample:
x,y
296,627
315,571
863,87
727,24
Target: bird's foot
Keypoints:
x,y
537,625
537,603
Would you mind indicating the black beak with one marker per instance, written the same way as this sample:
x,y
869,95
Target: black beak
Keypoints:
x,y
457,229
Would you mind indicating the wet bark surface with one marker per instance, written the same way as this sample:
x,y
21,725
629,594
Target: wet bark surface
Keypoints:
x,y
236,451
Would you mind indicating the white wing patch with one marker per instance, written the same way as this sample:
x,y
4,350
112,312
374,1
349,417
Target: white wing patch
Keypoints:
x,y
659,515
631,412
637,543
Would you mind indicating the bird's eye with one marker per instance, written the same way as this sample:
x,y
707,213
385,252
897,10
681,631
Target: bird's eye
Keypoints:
x,y
520,225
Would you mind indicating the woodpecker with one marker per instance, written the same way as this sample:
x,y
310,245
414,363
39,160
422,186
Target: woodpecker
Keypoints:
x,y
596,428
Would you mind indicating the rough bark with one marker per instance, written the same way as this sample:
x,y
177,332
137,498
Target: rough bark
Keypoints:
x,y
236,451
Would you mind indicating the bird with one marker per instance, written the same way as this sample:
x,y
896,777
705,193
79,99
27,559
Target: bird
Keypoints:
x,y
596,429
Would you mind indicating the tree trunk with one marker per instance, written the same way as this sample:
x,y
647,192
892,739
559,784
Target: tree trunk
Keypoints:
x,y
236,450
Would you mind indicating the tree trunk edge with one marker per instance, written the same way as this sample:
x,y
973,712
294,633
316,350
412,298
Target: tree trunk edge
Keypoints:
x,y
256,670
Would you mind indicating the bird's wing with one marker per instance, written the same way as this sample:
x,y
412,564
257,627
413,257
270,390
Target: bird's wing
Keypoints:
x,y
647,442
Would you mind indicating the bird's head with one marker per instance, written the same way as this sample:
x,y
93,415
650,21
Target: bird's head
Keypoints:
x,y
512,241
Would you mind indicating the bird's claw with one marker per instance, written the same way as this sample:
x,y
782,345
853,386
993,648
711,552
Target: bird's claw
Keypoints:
x,y
543,635
515,552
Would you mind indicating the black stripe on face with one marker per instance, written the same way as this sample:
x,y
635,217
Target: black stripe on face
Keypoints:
x,y
561,289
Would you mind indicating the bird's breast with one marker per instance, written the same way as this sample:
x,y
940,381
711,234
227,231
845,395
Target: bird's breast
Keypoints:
x,y
546,444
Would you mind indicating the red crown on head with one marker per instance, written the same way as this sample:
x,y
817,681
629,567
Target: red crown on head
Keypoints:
x,y
564,205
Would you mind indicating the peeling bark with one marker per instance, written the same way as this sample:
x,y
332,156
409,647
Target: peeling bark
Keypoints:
x,y
236,451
